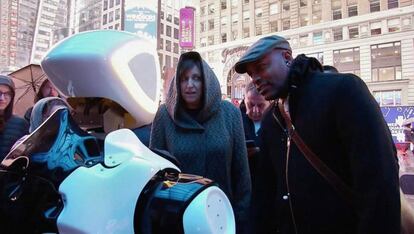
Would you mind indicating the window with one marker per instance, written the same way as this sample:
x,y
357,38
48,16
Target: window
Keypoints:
x,y
286,24
375,28
259,12
202,26
273,26
317,38
304,20
105,5
246,15
168,45
175,62
234,34
117,2
246,1
388,97
318,56
235,18
161,45
386,61
202,10
317,16
303,40
176,33
223,21
352,11
161,28
224,37
286,5
211,8
234,3
394,25
210,40
374,5
176,48
104,19
337,34
169,17
246,32
167,61
117,14
353,32
303,3
111,3
223,4
392,4
203,42
168,31
176,21
337,14
259,30
211,24
347,60
273,8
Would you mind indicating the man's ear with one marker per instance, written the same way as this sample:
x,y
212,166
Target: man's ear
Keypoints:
x,y
287,55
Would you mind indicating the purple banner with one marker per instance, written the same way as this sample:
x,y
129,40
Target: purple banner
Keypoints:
x,y
396,117
187,27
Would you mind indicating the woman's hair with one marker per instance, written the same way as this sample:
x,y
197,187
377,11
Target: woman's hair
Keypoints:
x,y
39,94
186,65
8,112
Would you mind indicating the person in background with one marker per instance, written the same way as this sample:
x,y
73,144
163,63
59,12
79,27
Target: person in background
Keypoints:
x,y
341,123
46,89
254,107
41,111
329,69
204,132
11,127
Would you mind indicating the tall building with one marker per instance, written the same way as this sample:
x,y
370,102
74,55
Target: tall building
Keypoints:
x,y
25,30
52,25
85,15
8,35
373,39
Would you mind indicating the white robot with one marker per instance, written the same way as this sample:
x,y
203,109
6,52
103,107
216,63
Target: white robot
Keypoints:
x,y
92,174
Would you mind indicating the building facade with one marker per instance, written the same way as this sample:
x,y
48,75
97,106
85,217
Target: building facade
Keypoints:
x,y
52,25
372,39
8,35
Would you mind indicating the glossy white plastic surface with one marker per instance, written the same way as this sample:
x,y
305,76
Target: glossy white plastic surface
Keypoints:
x,y
209,212
110,64
101,199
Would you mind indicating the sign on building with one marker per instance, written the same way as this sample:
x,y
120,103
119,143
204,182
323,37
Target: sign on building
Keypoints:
x,y
141,18
187,28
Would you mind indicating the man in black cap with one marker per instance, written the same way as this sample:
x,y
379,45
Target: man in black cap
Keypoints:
x,y
342,126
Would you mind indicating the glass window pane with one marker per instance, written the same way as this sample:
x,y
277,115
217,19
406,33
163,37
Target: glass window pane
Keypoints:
x,y
386,73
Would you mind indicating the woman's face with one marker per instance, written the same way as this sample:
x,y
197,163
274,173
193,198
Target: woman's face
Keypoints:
x,y
191,85
5,96
48,90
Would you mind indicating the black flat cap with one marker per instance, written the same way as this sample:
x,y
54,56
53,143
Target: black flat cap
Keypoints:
x,y
259,49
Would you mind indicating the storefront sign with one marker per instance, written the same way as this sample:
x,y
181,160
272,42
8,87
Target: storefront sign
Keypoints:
x,y
238,51
395,116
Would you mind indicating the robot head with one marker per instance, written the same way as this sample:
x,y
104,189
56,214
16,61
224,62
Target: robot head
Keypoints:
x,y
110,78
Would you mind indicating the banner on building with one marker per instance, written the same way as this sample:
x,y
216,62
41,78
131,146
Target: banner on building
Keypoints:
x,y
141,18
396,117
187,27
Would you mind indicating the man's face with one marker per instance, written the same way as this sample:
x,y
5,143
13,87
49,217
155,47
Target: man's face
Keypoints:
x,y
255,105
270,73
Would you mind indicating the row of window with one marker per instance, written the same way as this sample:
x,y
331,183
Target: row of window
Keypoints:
x,y
168,31
385,61
168,46
111,4
111,16
337,34
167,61
169,18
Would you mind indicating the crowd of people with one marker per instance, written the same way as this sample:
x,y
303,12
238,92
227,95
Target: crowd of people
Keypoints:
x,y
296,117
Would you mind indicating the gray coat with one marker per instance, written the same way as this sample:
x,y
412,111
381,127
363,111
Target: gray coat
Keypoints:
x,y
211,144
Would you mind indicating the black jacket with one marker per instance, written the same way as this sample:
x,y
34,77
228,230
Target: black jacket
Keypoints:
x,y
338,118
14,129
